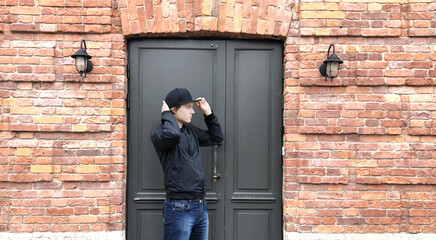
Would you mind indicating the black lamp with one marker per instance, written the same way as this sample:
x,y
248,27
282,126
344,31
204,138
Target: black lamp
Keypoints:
x,y
330,67
83,64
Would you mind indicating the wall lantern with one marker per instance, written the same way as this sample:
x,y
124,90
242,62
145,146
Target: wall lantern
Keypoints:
x,y
83,64
330,67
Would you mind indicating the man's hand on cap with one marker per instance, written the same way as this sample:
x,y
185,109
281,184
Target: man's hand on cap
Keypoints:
x,y
164,107
203,106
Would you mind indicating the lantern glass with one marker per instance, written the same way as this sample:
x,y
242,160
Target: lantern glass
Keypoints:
x,y
81,64
332,69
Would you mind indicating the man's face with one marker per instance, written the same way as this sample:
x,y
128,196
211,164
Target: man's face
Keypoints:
x,y
184,113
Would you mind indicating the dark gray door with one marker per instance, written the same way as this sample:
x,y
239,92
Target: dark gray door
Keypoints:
x,y
242,80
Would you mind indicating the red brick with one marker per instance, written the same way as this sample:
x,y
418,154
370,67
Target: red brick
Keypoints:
x,y
20,228
372,131
420,220
351,221
330,213
371,114
372,213
420,81
312,171
397,56
328,229
22,178
309,220
350,122
97,3
396,180
328,114
402,172
37,219
81,202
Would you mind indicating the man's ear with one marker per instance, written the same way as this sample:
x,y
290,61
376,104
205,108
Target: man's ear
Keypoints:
x,y
173,110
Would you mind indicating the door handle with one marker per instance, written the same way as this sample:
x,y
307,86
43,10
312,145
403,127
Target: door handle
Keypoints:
x,y
216,175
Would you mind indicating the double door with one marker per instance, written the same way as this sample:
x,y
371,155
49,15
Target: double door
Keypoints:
x,y
242,81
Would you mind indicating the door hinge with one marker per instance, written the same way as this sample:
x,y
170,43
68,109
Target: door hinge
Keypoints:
x,y
128,100
283,151
128,88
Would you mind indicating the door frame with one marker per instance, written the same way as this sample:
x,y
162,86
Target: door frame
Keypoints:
x,y
128,117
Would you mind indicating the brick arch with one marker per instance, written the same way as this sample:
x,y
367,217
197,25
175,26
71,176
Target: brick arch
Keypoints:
x,y
260,18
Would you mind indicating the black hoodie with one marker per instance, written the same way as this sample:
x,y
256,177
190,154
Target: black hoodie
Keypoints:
x,y
178,150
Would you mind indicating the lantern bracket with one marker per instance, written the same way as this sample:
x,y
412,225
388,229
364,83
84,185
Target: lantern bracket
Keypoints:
x,y
330,59
81,53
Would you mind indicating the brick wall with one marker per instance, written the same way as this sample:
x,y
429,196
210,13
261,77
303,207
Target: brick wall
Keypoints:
x,y
62,137
359,153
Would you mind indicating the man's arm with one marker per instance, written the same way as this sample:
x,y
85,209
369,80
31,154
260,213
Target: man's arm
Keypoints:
x,y
167,136
213,135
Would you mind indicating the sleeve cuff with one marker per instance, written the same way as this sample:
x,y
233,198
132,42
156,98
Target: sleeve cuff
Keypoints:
x,y
167,115
209,117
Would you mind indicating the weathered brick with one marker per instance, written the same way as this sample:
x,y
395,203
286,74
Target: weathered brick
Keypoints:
x,y
37,219
21,10
22,178
82,219
24,110
323,14
351,221
373,195
47,119
45,169
88,169
398,56
328,229
373,213
420,220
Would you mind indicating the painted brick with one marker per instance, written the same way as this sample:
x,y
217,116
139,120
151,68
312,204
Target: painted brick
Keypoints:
x,y
23,152
319,6
322,14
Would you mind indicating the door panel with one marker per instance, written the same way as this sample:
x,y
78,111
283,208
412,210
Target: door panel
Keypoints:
x,y
242,81
252,104
246,219
253,139
164,69
150,219
158,66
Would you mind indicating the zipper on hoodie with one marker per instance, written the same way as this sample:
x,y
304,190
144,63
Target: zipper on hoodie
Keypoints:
x,y
190,155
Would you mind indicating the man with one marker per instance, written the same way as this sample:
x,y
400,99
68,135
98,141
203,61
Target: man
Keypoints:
x,y
177,141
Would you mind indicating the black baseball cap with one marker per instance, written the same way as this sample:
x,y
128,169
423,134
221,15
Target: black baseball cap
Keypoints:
x,y
178,96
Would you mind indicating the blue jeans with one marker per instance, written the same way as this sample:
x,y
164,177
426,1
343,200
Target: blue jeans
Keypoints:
x,y
183,219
